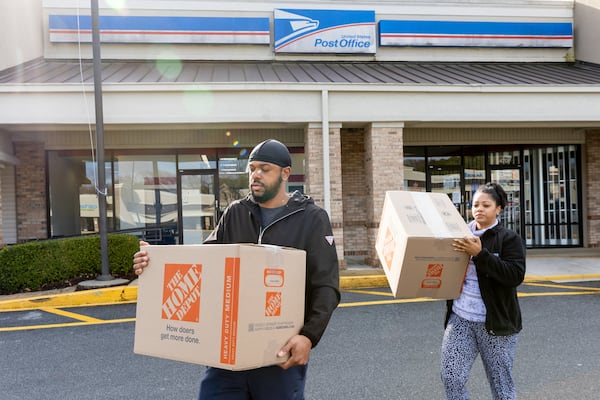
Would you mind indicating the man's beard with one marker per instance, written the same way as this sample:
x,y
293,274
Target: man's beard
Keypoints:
x,y
269,192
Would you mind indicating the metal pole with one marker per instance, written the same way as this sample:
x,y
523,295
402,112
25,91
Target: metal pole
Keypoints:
x,y
101,185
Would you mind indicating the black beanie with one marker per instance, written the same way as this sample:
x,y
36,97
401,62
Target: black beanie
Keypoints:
x,y
271,151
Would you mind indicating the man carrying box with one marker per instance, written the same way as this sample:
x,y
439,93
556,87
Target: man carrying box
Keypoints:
x,y
269,215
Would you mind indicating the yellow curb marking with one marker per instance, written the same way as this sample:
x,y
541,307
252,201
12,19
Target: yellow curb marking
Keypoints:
x,y
363,281
88,297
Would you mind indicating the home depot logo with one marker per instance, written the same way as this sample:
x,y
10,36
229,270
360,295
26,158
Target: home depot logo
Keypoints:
x,y
273,277
433,276
273,304
389,246
181,292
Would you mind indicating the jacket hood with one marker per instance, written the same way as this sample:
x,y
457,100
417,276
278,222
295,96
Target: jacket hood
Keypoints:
x,y
297,199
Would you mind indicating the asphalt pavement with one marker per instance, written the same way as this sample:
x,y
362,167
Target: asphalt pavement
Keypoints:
x,y
549,265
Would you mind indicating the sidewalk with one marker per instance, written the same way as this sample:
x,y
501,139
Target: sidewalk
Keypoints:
x,y
556,265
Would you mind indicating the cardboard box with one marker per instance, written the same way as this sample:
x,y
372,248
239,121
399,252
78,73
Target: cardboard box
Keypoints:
x,y
414,245
231,306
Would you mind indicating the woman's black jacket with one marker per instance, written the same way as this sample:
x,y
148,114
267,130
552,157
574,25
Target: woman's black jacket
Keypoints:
x,y
500,269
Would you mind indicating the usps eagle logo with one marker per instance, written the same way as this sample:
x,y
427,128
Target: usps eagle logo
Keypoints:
x,y
294,25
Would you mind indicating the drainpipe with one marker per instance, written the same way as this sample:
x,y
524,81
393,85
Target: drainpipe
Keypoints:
x,y
326,168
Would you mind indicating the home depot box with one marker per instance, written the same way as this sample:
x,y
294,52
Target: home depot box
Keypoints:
x,y
414,245
230,306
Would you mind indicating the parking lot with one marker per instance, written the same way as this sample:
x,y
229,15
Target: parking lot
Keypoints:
x,y
376,347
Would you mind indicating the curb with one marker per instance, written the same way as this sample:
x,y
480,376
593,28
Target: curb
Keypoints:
x,y
128,294
119,294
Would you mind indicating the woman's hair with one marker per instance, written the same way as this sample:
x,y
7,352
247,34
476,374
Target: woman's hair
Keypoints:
x,y
496,191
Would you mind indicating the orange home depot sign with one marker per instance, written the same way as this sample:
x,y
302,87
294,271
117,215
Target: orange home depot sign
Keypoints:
x,y
433,276
389,246
181,292
273,278
273,304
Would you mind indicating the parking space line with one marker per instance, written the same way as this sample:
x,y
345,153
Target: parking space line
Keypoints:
x,y
369,292
567,290
66,325
541,294
380,302
68,314
561,286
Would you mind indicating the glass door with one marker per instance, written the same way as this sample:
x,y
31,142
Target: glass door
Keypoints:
x,y
444,173
198,204
473,177
510,180
446,179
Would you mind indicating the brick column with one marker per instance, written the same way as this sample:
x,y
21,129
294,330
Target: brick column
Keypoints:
x,y
31,191
384,170
314,177
592,170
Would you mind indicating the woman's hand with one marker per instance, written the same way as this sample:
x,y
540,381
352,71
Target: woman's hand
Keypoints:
x,y
469,244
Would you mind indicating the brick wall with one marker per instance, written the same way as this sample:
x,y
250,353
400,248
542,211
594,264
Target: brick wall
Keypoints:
x,y
31,191
384,170
313,155
354,196
592,170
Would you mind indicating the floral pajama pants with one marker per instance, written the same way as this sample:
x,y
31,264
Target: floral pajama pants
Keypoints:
x,y
463,341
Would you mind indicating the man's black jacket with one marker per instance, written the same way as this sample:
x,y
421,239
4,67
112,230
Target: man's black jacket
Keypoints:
x,y
301,225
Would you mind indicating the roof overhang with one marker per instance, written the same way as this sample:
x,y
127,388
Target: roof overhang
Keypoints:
x,y
458,93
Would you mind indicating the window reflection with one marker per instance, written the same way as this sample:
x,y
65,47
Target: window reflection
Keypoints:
x,y
72,194
146,192
542,184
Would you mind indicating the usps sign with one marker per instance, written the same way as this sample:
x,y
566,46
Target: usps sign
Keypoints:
x,y
324,31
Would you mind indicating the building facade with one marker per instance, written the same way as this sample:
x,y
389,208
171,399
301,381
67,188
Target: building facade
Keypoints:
x,y
412,95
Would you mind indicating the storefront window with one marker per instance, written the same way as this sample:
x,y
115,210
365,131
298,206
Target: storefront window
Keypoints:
x,y
202,160
296,180
414,169
146,195
553,210
542,185
73,197
151,190
444,165
233,178
504,157
473,176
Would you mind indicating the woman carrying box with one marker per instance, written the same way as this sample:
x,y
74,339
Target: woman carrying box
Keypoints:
x,y
486,319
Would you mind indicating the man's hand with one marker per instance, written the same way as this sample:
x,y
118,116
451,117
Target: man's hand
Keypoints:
x,y
298,347
140,259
